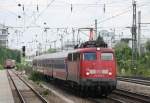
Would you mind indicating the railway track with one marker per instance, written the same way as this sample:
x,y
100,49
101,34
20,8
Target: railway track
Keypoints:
x,y
128,97
24,91
116,100
137,81
107,100
121,96
117,96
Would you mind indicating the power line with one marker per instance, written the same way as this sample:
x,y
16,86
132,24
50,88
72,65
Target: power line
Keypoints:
x,y
43,11
119,14
69,4
46,8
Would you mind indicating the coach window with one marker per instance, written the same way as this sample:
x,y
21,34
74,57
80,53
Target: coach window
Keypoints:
x,y
38,63
49,63
46,63
69,57
76,56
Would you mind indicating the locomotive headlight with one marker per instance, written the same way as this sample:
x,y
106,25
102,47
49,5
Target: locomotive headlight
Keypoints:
x,y
87,73
110,73
98,49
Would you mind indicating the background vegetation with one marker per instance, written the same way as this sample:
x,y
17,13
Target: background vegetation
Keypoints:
x,y
6,53
1,67
124,55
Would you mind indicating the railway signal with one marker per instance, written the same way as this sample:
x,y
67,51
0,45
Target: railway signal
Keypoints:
x,y
23,51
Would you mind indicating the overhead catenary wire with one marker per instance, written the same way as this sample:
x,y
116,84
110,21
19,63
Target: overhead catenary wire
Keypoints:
x,y
43,10
119,14
67,3
40,14
107,19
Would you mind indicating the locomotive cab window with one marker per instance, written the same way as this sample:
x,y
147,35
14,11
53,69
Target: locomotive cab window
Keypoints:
x,y
106,56
89,56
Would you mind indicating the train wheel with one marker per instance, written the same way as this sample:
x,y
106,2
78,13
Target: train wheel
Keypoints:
x,y
45,78
99,91
93,91
77,90
105,91
87,91
82,91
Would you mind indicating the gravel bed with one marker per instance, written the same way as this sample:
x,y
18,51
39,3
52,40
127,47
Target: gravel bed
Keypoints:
x,y
133,87
61,96
54,98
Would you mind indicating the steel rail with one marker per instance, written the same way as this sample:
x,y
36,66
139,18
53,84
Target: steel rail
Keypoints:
x,y
137,81
18,92
116,100
134,96
33,90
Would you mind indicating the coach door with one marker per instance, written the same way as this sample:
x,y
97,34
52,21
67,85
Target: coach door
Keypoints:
x,y
73,66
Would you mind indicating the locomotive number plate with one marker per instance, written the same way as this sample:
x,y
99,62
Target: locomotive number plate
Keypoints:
x,y
92,71
104,72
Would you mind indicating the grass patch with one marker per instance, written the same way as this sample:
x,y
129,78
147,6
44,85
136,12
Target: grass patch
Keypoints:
x,y
45,92
38,82
36,77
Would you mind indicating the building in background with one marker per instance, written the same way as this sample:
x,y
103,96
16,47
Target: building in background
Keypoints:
x,y
3,35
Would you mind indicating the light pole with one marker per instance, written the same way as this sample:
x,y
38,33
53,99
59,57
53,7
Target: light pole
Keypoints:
x,y
45,30
23,9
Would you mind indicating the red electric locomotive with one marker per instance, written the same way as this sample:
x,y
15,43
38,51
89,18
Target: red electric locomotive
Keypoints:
x,y
86,68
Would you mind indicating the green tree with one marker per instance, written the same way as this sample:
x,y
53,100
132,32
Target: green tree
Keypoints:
x,y
123,56
6,53
123,51
52,50
147,45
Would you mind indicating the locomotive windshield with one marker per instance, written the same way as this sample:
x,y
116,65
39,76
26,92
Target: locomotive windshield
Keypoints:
x,y
89,56
106,56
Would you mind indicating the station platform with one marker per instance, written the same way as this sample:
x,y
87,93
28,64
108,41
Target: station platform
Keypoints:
x,y
5,90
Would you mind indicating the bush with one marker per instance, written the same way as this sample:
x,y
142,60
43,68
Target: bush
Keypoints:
x,y
35,76
1,67
46,92
20,66
28,69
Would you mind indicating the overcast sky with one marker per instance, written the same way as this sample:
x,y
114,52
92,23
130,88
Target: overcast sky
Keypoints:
x,y
58,14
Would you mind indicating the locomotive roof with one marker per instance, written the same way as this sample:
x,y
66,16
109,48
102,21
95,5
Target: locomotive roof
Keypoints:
x,y
93,49
65,53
